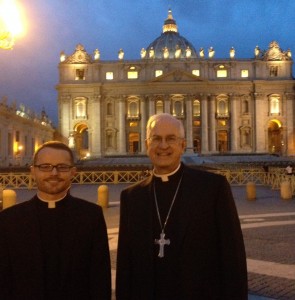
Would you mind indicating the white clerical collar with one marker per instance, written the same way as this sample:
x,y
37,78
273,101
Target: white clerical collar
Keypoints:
x,y
165,177
51,203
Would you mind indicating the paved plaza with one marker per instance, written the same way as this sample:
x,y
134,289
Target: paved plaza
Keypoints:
x,y
268,225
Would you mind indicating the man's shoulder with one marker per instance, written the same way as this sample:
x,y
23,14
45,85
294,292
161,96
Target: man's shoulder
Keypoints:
x,y
82,203
202,174
17,210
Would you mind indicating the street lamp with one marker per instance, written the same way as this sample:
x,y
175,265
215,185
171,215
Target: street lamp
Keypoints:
x,y
10,23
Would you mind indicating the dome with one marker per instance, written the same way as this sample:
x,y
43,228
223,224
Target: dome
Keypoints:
x,y
170,44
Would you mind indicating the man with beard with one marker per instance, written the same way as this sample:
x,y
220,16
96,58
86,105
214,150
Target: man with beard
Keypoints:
x,y
54,246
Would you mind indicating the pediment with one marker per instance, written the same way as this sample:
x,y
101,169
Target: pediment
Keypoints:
x,y
177,76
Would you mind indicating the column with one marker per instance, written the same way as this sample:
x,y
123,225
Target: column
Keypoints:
x,y
143,124
122,127
212,125
234,122
189,123
94,133
260,131
204,124
151,105
167,105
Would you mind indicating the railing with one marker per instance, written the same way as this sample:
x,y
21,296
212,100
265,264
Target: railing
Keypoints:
x,y
273,178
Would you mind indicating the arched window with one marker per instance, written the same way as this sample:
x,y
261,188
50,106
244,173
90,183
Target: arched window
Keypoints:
x,y
274,105
159,107
80,108
133,107
178,106
109,109
85,140
245,107
196,108
222,107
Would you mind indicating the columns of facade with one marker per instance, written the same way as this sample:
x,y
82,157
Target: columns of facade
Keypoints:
x,y
167,104
212,125
289,139
260,134
189,126
65,116
234,122
204,124
122,125
143,124
151,105
95,132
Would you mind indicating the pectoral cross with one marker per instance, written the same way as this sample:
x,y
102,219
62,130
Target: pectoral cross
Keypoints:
x,y
162,242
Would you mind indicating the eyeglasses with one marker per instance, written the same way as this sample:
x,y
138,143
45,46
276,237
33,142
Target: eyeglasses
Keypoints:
x,y
155,140
49,167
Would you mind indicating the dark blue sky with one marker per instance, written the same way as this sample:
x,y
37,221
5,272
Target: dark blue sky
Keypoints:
x,y
29,72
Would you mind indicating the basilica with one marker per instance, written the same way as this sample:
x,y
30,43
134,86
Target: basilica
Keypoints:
x,y
227,106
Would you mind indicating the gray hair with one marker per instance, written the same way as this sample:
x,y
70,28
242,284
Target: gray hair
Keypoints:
x,y
164,116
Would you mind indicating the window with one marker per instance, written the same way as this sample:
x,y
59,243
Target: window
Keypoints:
x,y
109,75
273,71
159,107
178,106
222,107
80,74
245,107
132,74
196,108
196,72
109,109
17,136
158,73
275,105
244,73
133,107
80,107
221,73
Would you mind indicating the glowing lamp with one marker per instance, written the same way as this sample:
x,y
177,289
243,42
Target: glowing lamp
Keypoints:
x,y
10,23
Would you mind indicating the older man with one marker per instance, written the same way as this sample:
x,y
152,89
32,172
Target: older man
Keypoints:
x,y
180,236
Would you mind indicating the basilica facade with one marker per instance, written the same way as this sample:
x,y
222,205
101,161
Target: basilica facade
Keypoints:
x,y
227,106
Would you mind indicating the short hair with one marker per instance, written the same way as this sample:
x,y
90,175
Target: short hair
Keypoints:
x,y
159,117
55,145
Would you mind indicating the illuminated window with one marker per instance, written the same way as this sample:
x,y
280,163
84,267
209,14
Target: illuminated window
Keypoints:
x,y
196,108
222,107
133,124
80,108
158,73
244,73
178,106
221,73
159,107
222,123
80,74
132,74
196,72
109,75
133,107
275,105
197,123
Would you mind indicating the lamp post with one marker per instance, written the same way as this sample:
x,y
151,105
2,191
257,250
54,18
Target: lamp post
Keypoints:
x,y
10,23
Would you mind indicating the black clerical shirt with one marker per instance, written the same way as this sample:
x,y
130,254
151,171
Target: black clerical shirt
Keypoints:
x,y
167,267
50,220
